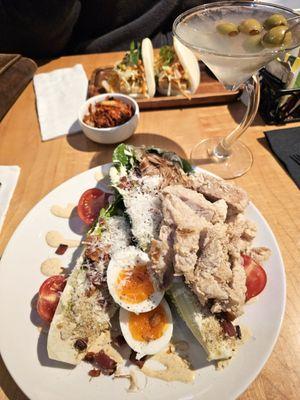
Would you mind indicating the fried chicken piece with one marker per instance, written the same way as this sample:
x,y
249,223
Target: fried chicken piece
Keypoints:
x,y
161,255
215,189
212,212
187,226
217,278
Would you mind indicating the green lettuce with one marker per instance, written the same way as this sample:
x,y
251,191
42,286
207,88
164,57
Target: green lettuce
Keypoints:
x,y
167,55
124,156
114,208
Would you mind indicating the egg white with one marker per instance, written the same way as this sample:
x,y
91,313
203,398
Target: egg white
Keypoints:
x,y
146,348
124,259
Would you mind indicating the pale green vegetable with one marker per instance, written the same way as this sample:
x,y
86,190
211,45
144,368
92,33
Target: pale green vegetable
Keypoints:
x,y
186,305
204,326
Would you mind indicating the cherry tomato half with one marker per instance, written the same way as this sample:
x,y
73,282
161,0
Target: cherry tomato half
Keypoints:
x,y
256,277
49,295
90,204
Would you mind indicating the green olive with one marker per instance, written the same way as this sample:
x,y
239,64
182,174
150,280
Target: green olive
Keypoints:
x,y
276,36
288,39
228,28
275,20
250,26
253,43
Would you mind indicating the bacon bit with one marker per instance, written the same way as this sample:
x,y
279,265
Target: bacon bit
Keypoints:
x,y
133,359
102,362
89,240
62,248
89,292
106,257
101,220
94,373
108,113
124,183
106,364
92,255
89,357
238,332
228,328
81,344
229,316
119,341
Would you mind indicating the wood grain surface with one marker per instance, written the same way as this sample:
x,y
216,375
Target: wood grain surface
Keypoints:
x,y
44,165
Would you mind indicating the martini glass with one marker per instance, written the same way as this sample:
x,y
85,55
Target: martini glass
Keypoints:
x,y
234,60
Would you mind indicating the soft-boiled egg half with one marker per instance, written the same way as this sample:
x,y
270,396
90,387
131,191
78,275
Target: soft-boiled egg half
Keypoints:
x,y
130,281
149,332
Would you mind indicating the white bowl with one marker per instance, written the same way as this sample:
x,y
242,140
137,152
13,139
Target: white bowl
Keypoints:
x,y
115,134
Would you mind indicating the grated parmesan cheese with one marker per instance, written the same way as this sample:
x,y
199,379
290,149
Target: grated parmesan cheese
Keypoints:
x,y
85,315
117,234
143,206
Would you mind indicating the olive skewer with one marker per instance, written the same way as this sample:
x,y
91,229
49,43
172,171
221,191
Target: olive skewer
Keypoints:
x,y
280,34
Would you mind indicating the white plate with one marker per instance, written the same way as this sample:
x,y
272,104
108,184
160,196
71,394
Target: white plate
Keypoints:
x,y
23,348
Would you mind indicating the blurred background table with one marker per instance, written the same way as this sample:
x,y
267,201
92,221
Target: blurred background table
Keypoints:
x,y
44,165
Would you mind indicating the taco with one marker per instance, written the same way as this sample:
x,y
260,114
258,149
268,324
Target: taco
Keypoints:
x,y
134,75
177,70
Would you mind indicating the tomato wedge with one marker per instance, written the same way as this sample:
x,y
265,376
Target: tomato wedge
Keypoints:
x,y
90,204
256,277
49,295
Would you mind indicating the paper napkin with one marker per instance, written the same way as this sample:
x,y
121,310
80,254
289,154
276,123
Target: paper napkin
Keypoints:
x,y
59,96
9,175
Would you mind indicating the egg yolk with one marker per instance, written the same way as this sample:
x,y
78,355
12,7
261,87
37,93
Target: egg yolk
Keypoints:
x,y
148,326
134,285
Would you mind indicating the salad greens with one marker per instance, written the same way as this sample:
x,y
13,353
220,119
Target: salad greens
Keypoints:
x,y
127,156
124,156
167,55
187,306
134,55
114,208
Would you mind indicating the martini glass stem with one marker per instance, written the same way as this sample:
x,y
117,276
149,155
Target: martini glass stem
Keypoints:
x,y
252,88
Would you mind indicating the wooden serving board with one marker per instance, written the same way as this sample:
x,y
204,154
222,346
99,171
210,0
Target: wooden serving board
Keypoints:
x,y
210,91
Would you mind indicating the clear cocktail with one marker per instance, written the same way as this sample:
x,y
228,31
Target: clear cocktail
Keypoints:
x,y
235,39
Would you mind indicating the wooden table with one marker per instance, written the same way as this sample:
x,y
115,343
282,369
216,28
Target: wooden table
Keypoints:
x,y
269,186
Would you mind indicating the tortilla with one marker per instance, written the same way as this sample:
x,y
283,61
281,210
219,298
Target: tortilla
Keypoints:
x,y
148,61
190,65
189,62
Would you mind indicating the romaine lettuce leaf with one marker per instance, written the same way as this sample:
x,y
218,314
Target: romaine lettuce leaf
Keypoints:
x,y
124,155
